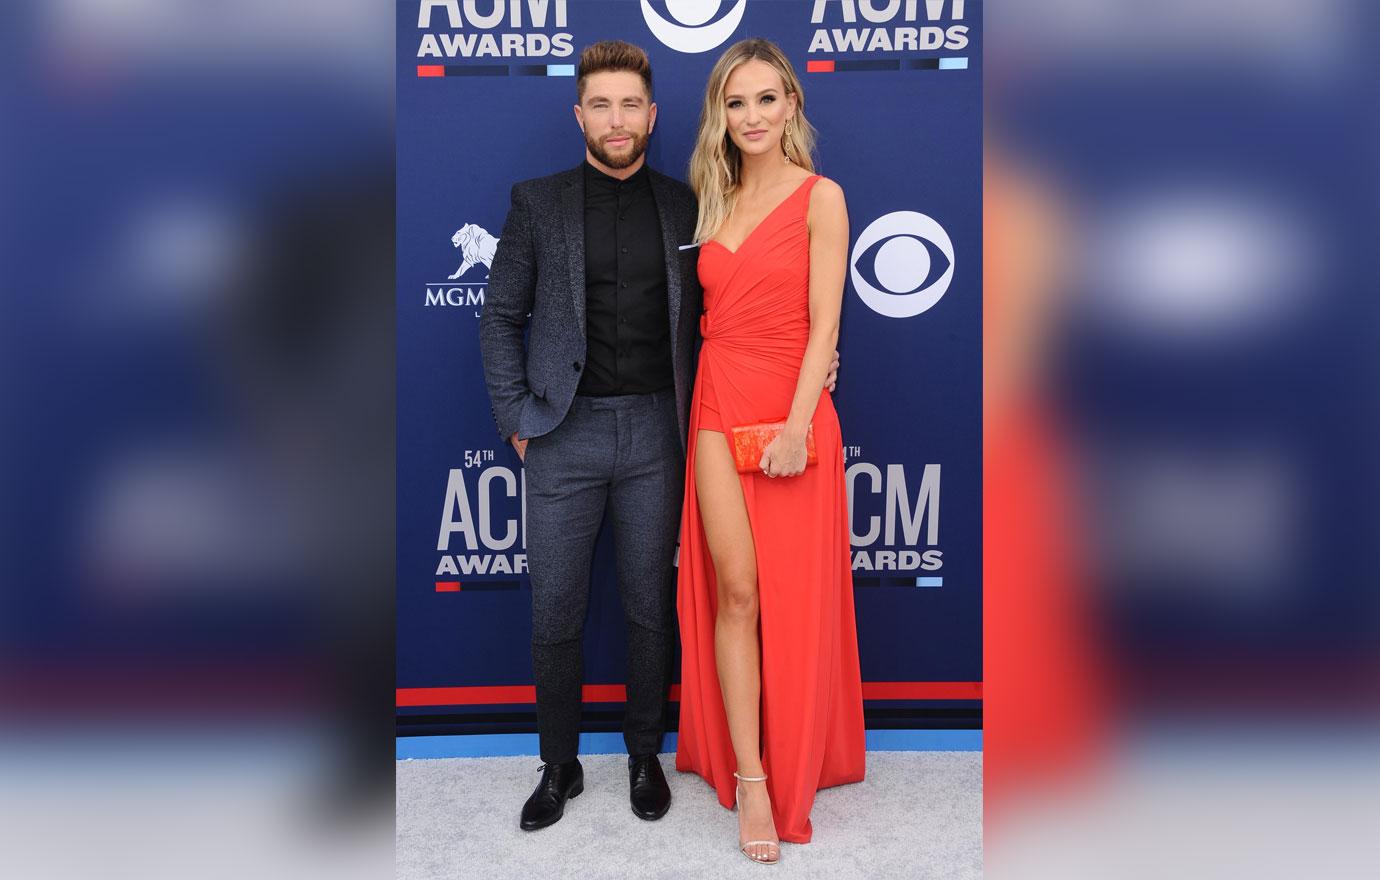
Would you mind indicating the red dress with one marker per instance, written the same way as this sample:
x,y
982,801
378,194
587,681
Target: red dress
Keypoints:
x,y
755,327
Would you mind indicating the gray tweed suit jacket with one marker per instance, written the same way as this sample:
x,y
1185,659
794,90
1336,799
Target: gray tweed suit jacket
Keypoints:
x,y
537,283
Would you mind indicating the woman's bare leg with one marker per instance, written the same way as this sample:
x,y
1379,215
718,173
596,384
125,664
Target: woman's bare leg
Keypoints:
x,y
737,649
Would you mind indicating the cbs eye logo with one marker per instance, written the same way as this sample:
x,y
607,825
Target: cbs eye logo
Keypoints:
x,y
688,25
902,264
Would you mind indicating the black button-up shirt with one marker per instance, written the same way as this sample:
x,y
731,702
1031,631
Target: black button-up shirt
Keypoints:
x,y
627,320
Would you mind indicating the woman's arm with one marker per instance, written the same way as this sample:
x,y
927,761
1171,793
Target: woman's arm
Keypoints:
x,y
828,219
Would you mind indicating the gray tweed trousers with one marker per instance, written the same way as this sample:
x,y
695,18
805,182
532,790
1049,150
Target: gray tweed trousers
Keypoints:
x,y
621,453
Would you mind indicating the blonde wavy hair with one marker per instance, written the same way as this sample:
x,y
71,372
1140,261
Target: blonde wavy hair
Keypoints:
x,y
716,163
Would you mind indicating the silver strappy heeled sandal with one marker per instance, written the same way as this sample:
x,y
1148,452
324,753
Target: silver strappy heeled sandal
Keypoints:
x,y
775,851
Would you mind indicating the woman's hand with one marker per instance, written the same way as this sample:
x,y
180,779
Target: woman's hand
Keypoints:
x,y
785,456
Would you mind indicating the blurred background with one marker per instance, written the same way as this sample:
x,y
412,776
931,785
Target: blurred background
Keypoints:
x,y
197,434
196,635
1182,618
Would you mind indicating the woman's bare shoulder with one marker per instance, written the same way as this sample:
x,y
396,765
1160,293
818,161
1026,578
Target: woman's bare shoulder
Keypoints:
x,y
826,199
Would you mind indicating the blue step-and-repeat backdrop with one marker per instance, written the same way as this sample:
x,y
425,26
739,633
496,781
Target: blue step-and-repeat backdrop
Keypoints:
x,y
485,93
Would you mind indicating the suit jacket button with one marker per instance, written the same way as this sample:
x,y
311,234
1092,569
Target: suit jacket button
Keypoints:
x,y
577,366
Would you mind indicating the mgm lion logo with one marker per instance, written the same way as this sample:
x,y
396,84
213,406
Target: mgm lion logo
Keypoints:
x,y
477,246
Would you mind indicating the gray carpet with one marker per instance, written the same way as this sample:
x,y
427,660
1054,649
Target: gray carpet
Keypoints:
x,y
918,814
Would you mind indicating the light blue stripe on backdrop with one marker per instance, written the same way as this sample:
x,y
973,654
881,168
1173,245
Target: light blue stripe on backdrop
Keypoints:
x,y
953,63
509,744
560,70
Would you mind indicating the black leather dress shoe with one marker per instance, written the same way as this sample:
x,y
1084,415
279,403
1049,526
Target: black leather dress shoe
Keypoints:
x,y
547,803
647,788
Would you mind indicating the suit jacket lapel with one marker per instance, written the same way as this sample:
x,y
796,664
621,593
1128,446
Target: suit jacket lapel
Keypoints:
x,y
573,215
670,243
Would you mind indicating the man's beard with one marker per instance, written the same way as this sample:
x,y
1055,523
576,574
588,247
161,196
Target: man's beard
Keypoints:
x,y
639,146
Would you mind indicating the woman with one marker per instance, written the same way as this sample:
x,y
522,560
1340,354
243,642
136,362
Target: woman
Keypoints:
x,y
766,721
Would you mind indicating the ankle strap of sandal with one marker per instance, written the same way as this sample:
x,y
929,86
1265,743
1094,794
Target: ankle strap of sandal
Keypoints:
x,y
741,778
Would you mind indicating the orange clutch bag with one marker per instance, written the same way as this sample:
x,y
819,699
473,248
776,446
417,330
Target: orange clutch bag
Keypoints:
x,y
750,441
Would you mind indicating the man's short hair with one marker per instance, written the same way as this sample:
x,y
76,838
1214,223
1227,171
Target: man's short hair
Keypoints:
x,y
613,55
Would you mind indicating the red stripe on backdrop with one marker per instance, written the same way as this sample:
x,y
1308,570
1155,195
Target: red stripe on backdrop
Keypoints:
x,y
431,70
447,586
922,690
615,693
819,66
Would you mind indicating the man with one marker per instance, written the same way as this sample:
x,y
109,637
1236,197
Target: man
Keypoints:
x,y
597,406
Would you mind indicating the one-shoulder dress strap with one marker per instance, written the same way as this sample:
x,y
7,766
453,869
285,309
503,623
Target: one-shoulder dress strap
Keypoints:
x,y
807,186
